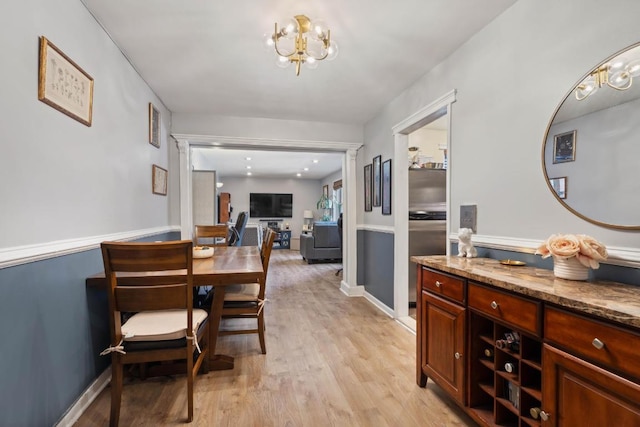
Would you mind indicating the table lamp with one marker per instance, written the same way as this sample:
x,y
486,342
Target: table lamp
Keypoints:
x,y
308,219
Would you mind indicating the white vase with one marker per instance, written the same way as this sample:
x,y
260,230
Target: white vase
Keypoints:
x,y
570,268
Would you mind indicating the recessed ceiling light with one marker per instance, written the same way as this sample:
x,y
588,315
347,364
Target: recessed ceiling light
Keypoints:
x,y
248,167
247,158
298,174
315,160
306,169
249,173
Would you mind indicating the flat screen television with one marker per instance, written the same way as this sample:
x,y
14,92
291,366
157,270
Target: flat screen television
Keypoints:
x,y
270,205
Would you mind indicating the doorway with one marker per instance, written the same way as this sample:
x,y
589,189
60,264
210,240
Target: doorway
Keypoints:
x,y
440,108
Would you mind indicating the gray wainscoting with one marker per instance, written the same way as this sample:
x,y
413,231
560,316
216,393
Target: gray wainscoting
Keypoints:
x,y
52,330
375,264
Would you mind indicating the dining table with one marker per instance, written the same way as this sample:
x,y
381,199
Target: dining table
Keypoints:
x,y
228,265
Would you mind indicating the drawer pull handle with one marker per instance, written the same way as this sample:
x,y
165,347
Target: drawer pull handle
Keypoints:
x,y
457,355
494,305
544,415
597,344
438,284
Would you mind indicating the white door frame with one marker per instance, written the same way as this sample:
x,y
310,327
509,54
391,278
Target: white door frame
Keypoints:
x,y
401,198
349,249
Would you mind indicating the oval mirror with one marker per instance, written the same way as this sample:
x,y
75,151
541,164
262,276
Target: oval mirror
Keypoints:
x,y
591,152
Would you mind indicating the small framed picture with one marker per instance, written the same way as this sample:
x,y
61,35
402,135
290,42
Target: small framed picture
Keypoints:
x,y
367,188
386,187
376,180
559,185
325,190
154,126
159,180
564,147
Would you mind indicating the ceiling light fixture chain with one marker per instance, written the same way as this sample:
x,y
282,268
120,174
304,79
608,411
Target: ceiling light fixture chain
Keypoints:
x,y
301,41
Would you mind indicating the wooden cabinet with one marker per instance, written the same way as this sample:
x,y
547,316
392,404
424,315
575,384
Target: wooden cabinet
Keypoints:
x,y
510,356
442,346
577,393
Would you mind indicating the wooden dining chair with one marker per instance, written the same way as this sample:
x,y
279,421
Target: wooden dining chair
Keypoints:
x,y
218,234
165,326
247,300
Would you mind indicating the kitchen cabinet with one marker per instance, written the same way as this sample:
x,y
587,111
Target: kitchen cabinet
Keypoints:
x,y
515,346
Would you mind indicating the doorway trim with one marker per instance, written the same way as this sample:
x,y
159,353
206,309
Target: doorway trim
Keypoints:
x,y
401,131
186,141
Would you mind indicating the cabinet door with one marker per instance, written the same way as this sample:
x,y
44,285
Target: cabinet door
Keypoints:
x,y
576,393
443,338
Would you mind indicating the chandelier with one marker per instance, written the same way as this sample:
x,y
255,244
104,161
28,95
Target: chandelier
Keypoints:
x,y
617,74
301,41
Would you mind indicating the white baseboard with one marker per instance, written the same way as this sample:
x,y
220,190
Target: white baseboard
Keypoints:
x,y
85,399
379,304
351,291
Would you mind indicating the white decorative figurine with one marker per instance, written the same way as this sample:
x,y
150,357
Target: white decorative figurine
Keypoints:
x,y
465,247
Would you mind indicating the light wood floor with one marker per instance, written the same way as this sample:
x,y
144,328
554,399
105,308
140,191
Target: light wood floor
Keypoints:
x,y
331,361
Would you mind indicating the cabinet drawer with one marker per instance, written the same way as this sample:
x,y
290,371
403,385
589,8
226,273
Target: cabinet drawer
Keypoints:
x,y
443,284
519,312
618,347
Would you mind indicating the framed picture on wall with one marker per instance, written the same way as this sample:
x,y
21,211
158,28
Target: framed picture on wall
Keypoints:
x,y
564,147
367,188
154,126
376,180
386,187
325,190
159,180
559,185
63,85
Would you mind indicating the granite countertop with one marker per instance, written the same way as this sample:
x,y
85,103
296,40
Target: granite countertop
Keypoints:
x,y
610,300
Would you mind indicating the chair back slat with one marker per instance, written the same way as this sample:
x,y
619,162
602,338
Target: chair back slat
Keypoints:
x,y
139,257
219,234
144,298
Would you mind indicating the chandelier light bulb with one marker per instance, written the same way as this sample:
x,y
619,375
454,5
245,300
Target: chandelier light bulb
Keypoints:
x,y
282,61
633,68
332,51
620,80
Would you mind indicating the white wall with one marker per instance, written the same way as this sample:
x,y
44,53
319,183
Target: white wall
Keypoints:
x,y
60,178
428,142
510,78
306,193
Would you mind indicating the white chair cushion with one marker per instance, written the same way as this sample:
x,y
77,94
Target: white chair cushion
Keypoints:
x,y
161,325
244,292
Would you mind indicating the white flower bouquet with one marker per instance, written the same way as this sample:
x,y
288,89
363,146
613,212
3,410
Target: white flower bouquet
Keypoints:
x,y
585,248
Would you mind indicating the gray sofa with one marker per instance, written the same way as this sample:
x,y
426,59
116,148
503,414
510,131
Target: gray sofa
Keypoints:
x,y
322,244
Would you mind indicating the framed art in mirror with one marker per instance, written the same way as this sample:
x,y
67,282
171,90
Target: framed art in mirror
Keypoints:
x,y
564,147
367,188
63,85
386,187
376,180
159,180
559,185
154,126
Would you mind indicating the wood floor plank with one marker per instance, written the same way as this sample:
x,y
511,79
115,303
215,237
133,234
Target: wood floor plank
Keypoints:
x,y
331,361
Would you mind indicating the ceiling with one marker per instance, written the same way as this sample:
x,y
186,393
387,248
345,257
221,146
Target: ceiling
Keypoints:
x,y
208,56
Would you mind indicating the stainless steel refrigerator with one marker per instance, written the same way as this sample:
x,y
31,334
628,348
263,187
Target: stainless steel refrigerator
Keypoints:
x,y
427,217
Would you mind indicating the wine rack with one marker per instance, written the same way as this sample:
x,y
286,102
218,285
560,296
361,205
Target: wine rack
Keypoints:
x,y
505,380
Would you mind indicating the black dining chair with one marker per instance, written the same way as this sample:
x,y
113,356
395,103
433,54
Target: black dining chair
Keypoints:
x,y
237,230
